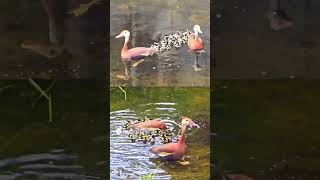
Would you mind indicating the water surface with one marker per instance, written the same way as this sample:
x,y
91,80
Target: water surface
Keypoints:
x,y
267,129
83,39
148,21
134,160
72,147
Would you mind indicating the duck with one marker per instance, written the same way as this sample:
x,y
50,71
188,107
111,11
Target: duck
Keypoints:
x,y
195,43
150,124
175,151
133,53
165,139
127,125
132,137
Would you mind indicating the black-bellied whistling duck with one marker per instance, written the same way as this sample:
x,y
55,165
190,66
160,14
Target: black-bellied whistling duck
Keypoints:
x,y
195,42
151,124
133,53
175,151
196,45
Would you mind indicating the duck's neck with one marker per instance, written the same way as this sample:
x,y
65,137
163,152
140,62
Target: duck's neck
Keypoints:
x,y
182,136
196,35
125,45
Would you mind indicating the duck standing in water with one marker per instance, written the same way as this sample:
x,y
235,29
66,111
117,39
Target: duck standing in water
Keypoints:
x,y
196,45
175,151
133,53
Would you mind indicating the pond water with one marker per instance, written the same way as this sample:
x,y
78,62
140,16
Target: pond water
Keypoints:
x,y
267,129
72,147
149,21
246,47
134,160
25,47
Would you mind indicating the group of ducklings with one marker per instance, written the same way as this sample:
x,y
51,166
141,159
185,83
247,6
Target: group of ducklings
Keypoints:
x,y
147,135
176,40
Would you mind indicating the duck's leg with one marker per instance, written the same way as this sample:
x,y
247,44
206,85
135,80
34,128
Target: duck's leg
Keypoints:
x,y
55,10
196,65
278,17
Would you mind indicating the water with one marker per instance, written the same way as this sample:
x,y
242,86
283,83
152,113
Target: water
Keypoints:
x,y
81,38
134,160
148,22
52,165
246,47
72,147
267,129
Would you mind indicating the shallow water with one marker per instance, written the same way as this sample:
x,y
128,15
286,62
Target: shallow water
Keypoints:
x,y
267,129
84,44
134,160
147,21
71,147
246,47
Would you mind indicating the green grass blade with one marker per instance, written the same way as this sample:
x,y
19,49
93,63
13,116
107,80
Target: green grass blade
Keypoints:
x,y
36,86
46,91
125,93
50,108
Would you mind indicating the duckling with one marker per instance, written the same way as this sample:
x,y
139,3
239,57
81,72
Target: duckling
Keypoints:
x,y
144,138
132,138
152,140
140,134
127,125
145,119
165,139
168,133
157,132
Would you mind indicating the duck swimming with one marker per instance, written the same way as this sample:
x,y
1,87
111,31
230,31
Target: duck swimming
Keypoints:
x,y
175,151
150,124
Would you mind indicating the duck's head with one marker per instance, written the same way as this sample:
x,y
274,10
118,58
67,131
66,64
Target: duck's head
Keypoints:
x,y
197,29
188,122
125,34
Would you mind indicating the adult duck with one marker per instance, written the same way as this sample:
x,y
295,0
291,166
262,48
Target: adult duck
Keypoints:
x,y
175,151
196,45
133,53
195,42
150,124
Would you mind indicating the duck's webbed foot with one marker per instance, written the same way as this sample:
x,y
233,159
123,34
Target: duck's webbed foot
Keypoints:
x,y
197,67
183,162
123,77
279,20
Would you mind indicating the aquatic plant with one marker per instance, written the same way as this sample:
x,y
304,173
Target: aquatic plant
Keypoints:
x,y
44,94
83,8
124,92
147,177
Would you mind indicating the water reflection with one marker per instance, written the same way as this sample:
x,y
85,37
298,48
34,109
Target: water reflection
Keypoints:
x,y
55,164
52,41
70,147
149,22
267,129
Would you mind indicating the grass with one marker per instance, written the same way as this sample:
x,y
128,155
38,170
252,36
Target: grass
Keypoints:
x,y
45,94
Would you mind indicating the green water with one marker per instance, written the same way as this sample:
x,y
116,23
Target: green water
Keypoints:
x,y
27,21
77,127
168,103
267,129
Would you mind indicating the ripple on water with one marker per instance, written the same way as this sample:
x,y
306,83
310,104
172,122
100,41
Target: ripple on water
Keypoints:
x,y
55,164
132,160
